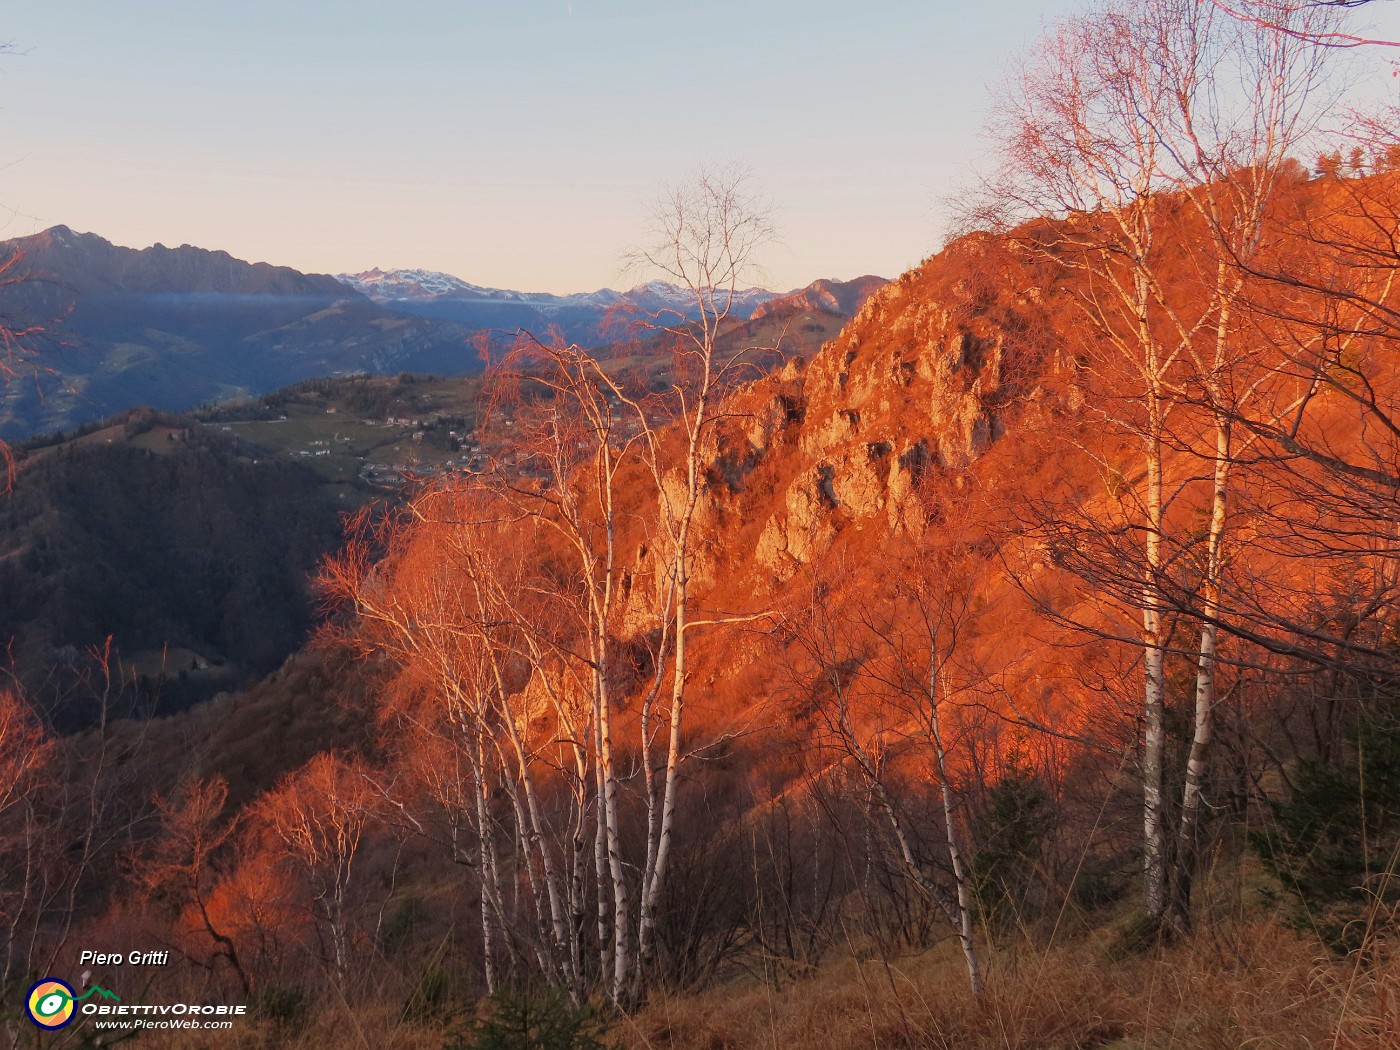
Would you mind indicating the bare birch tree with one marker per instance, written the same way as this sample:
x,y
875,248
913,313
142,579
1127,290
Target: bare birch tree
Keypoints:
x,y
887,682
595,432
450,606
596,488
319,814
706,234
1131,120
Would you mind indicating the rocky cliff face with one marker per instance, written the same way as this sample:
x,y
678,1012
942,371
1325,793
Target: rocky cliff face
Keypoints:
x,y
926,378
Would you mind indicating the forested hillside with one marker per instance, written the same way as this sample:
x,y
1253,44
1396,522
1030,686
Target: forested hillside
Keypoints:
x,y
186,550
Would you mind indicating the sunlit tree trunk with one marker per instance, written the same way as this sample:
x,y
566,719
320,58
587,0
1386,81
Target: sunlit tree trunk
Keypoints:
x,y
961,876
1118,110
706,233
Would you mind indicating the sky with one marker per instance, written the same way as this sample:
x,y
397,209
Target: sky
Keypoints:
x,y
513,143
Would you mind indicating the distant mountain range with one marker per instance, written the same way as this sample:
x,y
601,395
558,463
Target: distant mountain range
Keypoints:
x,y
113,328
583,316
177,327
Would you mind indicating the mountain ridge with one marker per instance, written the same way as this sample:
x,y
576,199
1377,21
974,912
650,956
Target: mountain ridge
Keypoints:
x,y
111,328
91,262
114,328
399,285
824,295
587,318
591,318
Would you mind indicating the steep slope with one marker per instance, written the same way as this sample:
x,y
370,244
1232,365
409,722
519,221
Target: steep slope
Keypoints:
x,y
973,396
175,327
840,298
925,379
189,549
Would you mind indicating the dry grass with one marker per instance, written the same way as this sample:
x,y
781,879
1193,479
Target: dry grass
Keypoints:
x,y
1251,986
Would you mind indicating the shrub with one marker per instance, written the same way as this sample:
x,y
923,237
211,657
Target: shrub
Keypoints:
x,y
429,997
521,1022
1009,834
283,1006
1334,843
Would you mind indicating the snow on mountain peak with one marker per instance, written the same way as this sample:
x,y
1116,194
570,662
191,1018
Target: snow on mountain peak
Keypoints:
x,y
405,284
389,286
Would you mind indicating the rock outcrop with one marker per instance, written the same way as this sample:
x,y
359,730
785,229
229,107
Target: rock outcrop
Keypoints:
x,y
925,378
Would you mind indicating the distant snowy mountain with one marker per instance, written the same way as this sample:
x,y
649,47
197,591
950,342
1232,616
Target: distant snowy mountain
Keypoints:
x,y
581,315
405,284
655,296
393,286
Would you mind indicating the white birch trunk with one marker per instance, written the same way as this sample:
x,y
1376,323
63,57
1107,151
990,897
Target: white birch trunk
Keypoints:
x,y
1154,837
960,874
1203,730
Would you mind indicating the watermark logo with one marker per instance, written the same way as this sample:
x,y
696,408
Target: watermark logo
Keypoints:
x,y
51,1002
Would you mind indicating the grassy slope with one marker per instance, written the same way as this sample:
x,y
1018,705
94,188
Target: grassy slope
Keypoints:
x,y
1241,982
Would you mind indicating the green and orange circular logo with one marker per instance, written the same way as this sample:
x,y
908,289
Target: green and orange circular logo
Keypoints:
x,y
50,1003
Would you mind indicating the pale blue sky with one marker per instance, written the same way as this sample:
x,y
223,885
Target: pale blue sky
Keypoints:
x,y
513,143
